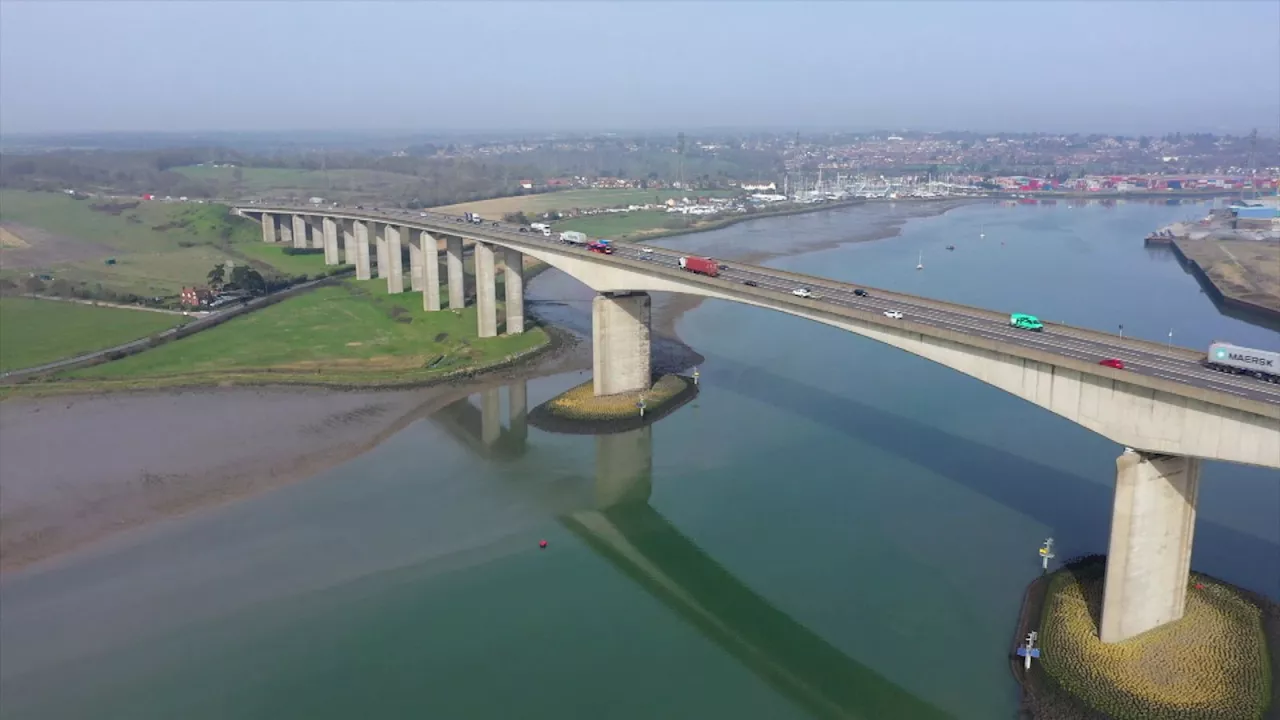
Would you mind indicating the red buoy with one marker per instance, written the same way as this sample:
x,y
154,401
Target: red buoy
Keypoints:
x,y
542,544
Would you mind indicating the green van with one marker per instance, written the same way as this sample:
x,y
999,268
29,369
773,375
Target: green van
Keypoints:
x,y
1025,322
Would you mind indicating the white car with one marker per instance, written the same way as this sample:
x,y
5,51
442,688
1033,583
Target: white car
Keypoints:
x,y
893,314
802,292
646,251
422,214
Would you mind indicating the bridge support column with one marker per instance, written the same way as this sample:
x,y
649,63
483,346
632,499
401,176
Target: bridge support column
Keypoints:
x,y
299,231
1149,558
518,410
430,272
330,231
457,278
395,260
286,230
624,467
363,271
620,342
486,290
513,280
490,416
415,259
316,224
268,228
348,244
380,245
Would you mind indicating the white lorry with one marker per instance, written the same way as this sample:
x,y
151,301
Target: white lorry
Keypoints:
x,y
1262,364
573,237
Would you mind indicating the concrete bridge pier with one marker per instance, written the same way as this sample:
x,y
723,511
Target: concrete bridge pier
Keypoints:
x,y
430,250
624,467
395,260
380,244
518,410
348,256
415,259
316,225
490,416
513,277
486,290
286,230
620,342
268,228
330,232
457,278
363,271
1149,558
299,231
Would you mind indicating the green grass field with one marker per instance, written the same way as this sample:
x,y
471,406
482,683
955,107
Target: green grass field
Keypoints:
x,y
34,332
569,199
352,333
158,247
273,255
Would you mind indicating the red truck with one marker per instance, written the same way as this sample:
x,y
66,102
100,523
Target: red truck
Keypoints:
x,y
700,265
599,247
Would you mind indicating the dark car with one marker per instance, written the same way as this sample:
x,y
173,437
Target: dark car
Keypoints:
x,y
496,223
860,292
723,266
524,229
752,283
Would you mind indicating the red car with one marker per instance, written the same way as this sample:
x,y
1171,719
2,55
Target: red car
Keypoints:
x,y
1112,363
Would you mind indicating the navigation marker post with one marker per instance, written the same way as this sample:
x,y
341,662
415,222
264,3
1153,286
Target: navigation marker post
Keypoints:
x,y
640,404
1029,650
1046,554
695,376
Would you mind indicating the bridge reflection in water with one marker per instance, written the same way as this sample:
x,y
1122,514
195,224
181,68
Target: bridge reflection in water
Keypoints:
x,y
617,522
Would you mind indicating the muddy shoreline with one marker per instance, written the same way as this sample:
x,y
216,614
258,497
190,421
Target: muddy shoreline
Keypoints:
x,y
80,468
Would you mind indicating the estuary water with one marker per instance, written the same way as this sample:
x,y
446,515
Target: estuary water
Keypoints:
x,y
832,528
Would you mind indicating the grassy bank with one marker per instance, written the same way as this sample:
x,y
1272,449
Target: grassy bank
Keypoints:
x,y
349,334
34,332
1213,663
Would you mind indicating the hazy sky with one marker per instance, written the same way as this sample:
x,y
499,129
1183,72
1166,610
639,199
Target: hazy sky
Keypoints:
x,y
1146,66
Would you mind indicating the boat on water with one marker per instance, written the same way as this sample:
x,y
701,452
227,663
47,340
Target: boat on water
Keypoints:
x,y
920,264
951,247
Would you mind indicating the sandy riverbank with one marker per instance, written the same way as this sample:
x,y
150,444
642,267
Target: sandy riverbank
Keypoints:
x,y
78,468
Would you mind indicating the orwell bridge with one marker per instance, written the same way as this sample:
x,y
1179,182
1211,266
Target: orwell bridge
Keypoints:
x,y
1165,408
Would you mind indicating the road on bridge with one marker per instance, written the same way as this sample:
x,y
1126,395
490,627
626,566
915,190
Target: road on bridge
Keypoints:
x,y
1174,364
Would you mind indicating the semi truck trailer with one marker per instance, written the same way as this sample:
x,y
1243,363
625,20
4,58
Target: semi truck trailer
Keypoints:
x,y
700,265
1261,364
573,237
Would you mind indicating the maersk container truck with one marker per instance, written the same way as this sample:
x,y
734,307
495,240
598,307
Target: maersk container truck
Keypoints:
x,y
1226,357
700,265
573,237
